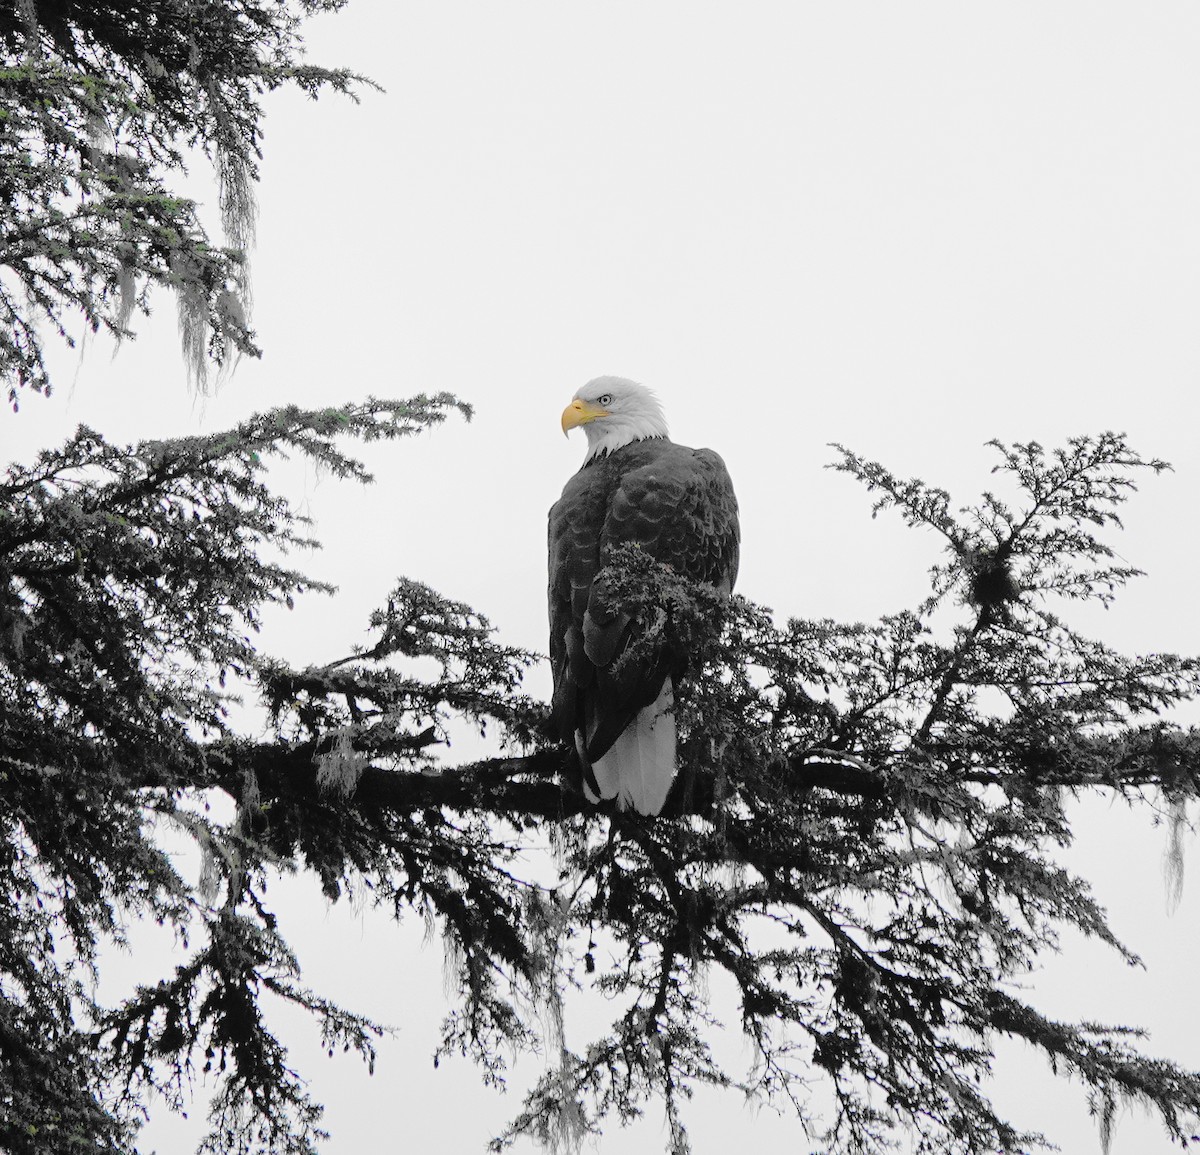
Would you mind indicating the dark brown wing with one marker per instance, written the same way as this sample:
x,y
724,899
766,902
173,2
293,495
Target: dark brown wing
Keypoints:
x,y
677,504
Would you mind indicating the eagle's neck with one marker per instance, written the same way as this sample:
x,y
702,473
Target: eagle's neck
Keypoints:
x,y
615,432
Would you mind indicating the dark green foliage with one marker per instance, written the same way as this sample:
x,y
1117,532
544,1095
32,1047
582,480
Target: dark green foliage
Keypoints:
x,y
131,582
862,836
874,865
101,104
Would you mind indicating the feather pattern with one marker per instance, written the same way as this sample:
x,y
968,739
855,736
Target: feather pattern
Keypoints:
x,y
677,504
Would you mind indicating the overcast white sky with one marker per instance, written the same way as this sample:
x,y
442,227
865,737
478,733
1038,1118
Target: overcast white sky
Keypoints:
x,y
908,227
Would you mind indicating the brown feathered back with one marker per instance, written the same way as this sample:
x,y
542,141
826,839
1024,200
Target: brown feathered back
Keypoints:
x,y
678,505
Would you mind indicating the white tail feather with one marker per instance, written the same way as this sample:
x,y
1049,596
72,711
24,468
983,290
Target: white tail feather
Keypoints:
x,y
640,765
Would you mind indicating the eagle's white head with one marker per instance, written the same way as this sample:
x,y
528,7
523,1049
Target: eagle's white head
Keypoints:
x,y
614,412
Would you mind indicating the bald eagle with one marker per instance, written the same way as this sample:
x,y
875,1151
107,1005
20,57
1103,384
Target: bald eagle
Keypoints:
x,y
678,505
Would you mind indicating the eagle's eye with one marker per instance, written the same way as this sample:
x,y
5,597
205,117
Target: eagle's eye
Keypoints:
x,y
605,400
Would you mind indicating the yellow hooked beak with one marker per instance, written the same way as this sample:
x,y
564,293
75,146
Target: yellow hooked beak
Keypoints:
x,y
580,413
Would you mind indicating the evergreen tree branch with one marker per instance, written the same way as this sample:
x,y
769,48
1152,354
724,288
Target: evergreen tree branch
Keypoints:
x,y
858,836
